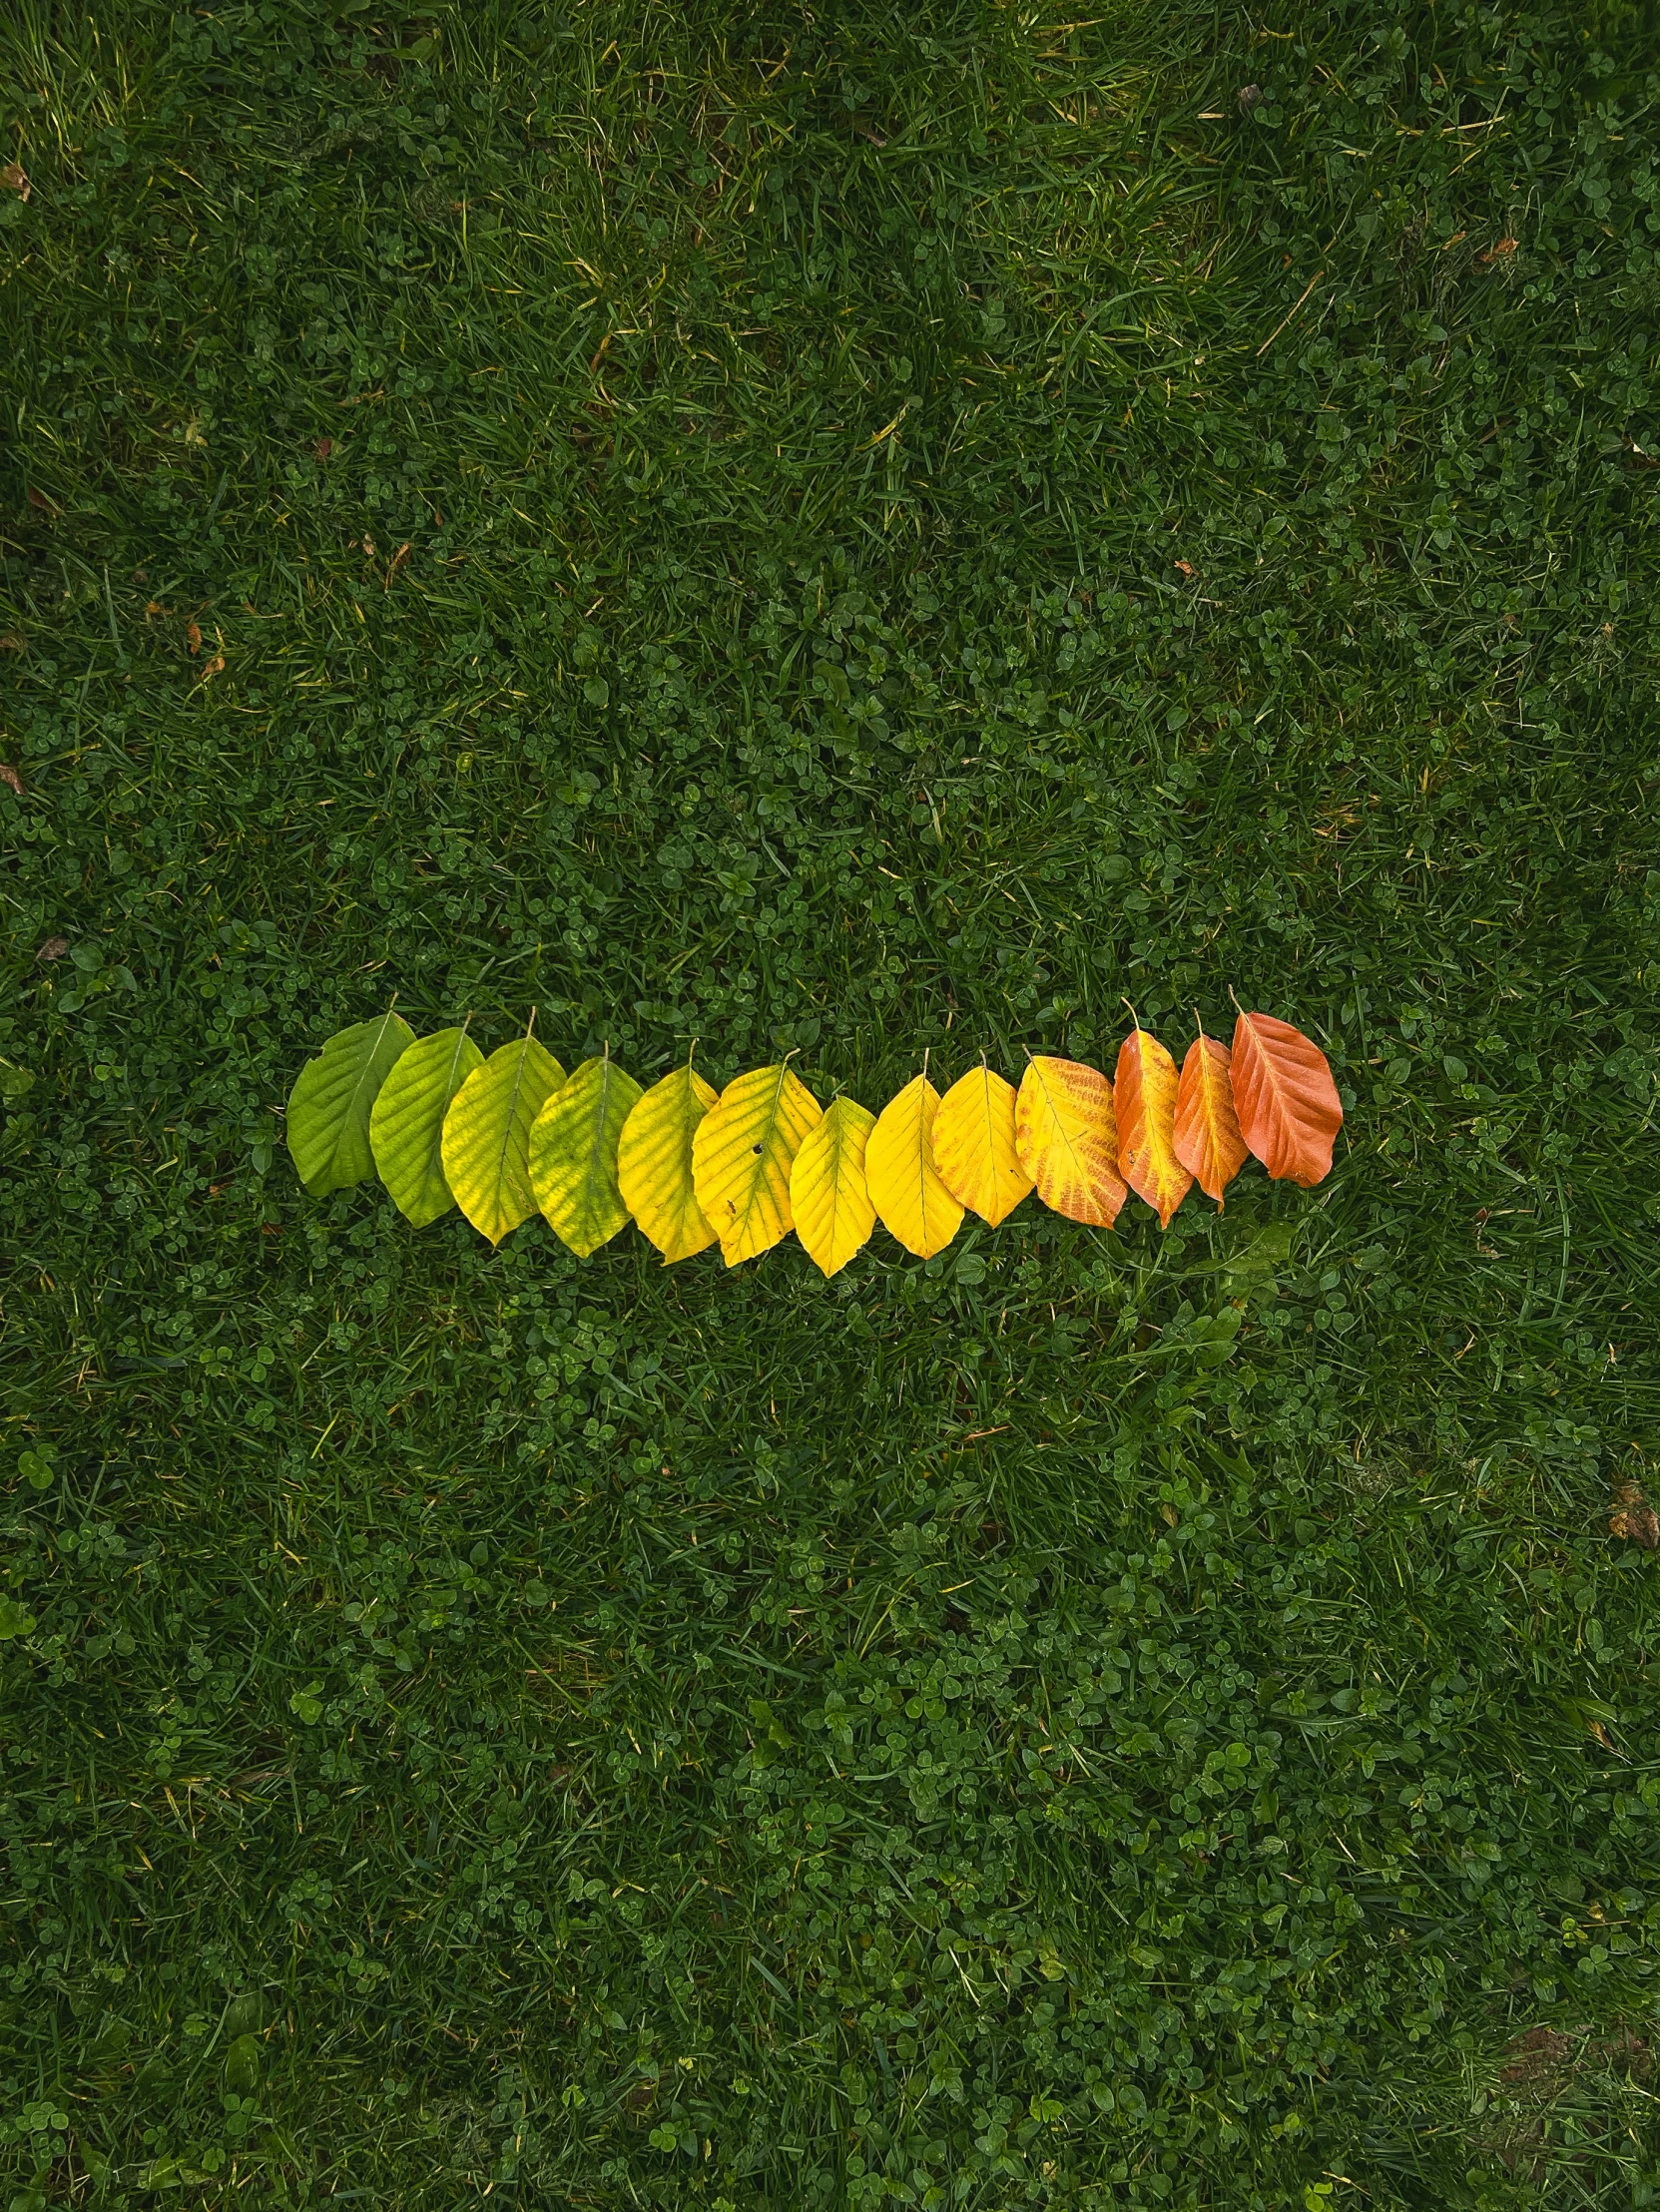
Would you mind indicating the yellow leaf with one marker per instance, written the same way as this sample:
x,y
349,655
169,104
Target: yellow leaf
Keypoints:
x,y
573,1155
975,1148
1145,1101
898,1168
1067,1138
828,1192
742,1154
654,1164
486,1140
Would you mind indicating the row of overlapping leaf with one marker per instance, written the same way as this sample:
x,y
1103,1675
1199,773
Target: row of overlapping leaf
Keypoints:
x,y
512,1135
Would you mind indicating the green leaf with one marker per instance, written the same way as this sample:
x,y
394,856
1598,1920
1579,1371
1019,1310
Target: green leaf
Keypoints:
x,y
1255,1266
15,1619
573,1155
486,1140
242,2063
36,1469
407,1125
329,1106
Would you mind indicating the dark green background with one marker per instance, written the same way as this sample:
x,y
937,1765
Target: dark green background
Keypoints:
x,y
861,530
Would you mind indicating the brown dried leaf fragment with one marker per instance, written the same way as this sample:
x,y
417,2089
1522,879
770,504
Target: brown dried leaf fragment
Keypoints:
x,y
1535,2056
1633,1518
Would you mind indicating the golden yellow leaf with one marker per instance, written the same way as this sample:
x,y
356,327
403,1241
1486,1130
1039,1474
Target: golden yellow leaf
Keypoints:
x,y
742,1154
1067,1136
828,1192
654,1164
1144,1099
573,1155
974,1150
486,1139
905,1186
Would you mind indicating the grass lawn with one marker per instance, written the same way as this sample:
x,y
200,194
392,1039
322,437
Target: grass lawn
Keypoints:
x,y
852,529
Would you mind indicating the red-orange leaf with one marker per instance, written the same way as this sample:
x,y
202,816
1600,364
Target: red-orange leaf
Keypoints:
x,y
1144,1097
1207,1128
1287,1105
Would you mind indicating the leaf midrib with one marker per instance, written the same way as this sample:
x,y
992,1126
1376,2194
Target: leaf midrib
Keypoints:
x,y
760,1161
386,1020
435,1148
1269,1076
924,1165
595,1195
510,1120
1064,1132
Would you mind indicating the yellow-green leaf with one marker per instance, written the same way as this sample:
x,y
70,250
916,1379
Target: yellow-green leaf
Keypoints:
x,y
898,1168
486,1142
742,1154
407,1123
573,1155
328,1119
974,1149
828,1192
654,1164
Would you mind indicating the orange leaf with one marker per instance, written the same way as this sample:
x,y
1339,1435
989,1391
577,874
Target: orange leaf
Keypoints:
x,y
14,178
1207,1128
193,636
1287,1105
1144,1098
